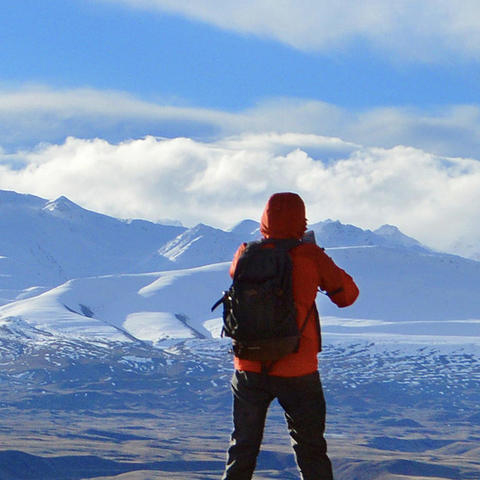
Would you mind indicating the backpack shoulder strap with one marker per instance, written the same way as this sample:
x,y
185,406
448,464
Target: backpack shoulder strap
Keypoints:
x,y
310,311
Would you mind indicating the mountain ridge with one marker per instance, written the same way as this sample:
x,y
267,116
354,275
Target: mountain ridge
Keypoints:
x,y
155,282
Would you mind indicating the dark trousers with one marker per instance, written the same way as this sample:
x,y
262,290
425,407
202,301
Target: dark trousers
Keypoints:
x,y
302,400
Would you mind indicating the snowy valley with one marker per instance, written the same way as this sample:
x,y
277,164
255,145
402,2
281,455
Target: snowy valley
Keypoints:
x,y
111,357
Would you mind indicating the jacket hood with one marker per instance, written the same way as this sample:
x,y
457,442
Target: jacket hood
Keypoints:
x,y
284,216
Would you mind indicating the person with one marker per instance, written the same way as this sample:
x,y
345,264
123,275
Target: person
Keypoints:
x,y
294,379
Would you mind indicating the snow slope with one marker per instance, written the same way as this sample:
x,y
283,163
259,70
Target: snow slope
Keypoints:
x,y
399,284
150,307
176,304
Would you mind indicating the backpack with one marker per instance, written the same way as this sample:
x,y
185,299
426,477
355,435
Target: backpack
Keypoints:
x,y
259,312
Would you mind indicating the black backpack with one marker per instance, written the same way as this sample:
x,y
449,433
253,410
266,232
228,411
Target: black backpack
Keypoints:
x,y
259,312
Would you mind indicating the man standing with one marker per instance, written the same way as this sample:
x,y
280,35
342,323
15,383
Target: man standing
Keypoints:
x,y
293,379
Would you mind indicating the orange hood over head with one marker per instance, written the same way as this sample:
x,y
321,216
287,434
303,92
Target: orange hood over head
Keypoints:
x,y
284,216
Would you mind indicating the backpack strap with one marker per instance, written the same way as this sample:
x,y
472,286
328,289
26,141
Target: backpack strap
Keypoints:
x,y
219,301
310,311
304,324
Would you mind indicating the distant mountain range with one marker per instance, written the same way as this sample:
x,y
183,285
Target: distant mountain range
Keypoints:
x,y
67,269
45,243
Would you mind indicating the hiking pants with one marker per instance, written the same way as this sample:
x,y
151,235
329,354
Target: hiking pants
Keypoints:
x,y
304,405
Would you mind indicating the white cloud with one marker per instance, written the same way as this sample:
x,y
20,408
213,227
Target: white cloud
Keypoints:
x,y
413,30
31,115
434,199
36,113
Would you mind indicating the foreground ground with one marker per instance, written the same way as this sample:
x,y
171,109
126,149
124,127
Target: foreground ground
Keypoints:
x,y
394,413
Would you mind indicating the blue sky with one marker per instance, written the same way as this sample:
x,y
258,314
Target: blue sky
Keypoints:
x,y
164,56
340,82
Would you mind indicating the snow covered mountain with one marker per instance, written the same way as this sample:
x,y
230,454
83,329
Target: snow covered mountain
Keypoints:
x,y
334,234
45,243
202,245
137,279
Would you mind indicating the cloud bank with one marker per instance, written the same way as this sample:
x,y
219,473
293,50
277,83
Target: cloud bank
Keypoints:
x,y
31,115
433,198
426,31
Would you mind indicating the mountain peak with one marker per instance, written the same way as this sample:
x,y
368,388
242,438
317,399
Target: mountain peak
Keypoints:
x,y
387,230
64,208
61,204
390,232
246,227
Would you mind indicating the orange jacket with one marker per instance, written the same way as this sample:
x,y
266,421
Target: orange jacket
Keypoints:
x,y
284,217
